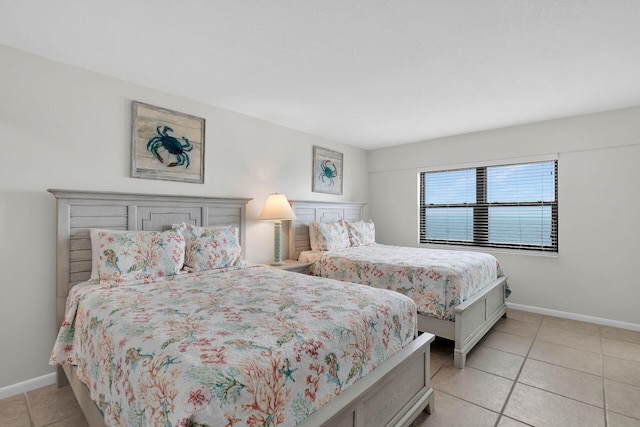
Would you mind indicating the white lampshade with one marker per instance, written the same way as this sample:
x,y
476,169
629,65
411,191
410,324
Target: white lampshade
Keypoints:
x,y
277,207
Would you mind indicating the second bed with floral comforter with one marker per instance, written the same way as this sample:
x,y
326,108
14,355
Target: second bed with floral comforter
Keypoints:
x,y
247,346
437,280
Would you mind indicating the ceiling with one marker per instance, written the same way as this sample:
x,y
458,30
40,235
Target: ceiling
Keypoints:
x,y
369,73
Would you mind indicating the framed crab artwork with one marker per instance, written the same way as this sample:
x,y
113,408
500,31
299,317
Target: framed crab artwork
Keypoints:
x,y
327,171
166,144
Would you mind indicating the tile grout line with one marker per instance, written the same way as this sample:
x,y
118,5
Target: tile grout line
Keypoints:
x,y
601,353
515,380
604,392
26,403
463,399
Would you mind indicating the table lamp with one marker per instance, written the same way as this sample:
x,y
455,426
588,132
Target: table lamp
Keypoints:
x,y
277,209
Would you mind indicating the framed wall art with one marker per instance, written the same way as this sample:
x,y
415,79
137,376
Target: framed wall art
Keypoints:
x,y
166,144
327,171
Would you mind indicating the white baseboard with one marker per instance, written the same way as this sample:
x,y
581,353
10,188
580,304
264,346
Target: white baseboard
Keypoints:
x,y
25,386
574,316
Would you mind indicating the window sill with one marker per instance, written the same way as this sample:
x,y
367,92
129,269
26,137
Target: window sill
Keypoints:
x,y
489,250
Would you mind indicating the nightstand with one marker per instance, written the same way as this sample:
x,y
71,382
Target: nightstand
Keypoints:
x,y
293,265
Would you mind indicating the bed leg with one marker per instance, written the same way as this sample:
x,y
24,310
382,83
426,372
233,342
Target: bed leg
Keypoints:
x,y
61,377
459,359
431,405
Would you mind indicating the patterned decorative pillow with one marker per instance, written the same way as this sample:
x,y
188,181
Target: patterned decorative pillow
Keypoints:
x,y
95,248
133,255
361,233
328,236
209,248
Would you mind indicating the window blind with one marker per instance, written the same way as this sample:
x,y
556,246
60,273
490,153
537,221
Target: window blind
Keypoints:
x,y
507,206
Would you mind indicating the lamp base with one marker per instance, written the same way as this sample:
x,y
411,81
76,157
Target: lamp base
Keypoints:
x,y
277,252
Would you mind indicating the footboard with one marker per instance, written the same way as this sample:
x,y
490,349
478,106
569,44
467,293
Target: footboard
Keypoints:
x,y
475,317
391,395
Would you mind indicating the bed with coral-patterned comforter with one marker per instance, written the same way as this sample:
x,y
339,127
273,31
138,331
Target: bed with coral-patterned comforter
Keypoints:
x,y
437,280
247,346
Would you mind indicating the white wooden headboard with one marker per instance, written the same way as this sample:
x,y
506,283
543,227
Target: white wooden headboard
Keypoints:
x,y
307,211
78,211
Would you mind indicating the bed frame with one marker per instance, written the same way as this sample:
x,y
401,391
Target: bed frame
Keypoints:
x,y
473,318
393,394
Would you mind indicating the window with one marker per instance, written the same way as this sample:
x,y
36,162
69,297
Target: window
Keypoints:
x,y
511,206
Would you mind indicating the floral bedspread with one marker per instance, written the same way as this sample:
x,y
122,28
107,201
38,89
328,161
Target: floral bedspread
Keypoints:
x,y
437,280
247,346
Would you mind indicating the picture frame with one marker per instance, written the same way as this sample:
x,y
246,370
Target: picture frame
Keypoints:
x,y
327,171
166,144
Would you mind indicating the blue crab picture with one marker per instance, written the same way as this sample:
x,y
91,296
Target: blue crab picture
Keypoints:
x,y
170,144
329,171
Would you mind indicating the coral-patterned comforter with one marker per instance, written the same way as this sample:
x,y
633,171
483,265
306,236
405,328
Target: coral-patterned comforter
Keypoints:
x,y
248,346
437,280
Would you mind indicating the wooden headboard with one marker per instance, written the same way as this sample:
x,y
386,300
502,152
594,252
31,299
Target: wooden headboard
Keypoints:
x,y
320,212
78,211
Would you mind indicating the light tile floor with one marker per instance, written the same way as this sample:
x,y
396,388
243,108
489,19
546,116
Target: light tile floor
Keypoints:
x,y
540,371
529,370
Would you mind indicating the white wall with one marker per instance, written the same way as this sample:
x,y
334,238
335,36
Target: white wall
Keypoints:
x,y
596,270
64,127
